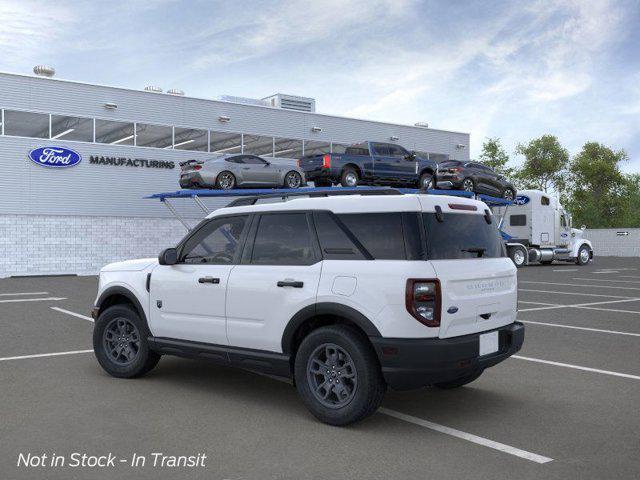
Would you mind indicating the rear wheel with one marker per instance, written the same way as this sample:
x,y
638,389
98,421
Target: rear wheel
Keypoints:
x,y
426,181
349,177
120,343
225,181
292,180
468,185
338,376
584,255
460,381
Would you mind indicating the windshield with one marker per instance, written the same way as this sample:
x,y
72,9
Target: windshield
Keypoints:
x,y
462,235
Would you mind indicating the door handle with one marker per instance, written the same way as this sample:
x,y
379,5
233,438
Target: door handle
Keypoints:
x,y
290,283
246,168
215,281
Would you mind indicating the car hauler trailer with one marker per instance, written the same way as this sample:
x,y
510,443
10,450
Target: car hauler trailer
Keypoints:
x,y
538,229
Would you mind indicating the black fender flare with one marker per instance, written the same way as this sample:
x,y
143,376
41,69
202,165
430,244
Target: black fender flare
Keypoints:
x,y
326,308
125,292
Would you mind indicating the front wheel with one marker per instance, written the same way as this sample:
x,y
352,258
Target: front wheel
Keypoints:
x,y
292,180
518,256
338,376
584,255
120,343
508,194
426,181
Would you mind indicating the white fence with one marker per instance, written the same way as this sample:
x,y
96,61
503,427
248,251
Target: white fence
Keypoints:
x,y
615,242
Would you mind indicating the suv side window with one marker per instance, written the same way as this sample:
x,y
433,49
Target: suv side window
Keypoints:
x,y
380,233
334,242
283,239
217,242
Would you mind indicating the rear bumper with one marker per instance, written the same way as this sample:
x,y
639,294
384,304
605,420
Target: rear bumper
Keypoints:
x,y
189,180
409,363
449,184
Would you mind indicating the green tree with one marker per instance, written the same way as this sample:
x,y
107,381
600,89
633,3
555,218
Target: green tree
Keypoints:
x,y
545,164
631,195
495,156
599,192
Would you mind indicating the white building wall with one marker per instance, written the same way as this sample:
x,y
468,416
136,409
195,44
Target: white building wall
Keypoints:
x,y
615,242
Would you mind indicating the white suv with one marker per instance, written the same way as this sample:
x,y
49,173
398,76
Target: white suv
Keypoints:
x,y
346,295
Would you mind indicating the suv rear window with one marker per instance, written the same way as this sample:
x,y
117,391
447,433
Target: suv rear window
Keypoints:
x,y
380,233
462,235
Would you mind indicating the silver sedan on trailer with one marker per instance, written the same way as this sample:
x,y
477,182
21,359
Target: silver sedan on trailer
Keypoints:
x,y
239,170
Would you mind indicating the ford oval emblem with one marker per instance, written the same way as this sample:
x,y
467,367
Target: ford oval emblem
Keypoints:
x,y
521,200
55,157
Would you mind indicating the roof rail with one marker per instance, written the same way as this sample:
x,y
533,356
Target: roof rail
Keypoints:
x,y
316,192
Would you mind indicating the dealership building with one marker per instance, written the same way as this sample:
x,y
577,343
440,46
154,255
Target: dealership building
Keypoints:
x,y
127,145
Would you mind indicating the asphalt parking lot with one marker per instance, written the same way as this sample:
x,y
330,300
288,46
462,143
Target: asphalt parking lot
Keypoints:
x,y
565,407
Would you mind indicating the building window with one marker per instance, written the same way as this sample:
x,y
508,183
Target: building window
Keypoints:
x,y
224,142
157,136
114,133
26,124
71,128
312,147
258,145
190,139
287,148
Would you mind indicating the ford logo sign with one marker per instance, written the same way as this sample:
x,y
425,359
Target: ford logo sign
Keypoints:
x,y
56,157
521,200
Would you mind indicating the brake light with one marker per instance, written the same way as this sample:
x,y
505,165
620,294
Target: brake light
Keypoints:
x,y
326,161
197,167
462,206
423,301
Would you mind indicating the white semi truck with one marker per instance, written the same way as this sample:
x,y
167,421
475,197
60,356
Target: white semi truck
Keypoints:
x,y
538,230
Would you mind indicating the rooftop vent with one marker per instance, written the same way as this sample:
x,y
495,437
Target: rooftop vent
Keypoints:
x,y
244,100
422,124
152,88
44,71
175,91
292,102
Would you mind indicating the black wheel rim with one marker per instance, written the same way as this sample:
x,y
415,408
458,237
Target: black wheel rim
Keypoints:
x,y
467,185
226,181
508,194
293,180
121,340
332,376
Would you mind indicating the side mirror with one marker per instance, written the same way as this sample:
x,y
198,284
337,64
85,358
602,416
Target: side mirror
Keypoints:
x,y
169,256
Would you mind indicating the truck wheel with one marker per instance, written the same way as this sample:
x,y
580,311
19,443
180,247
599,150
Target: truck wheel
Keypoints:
x,y
583,255
426,181
349,178
468,185
518,256
120,343
338,376
460,381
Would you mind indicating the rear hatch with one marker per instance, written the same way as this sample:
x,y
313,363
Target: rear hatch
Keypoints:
x,y
449,168
478,283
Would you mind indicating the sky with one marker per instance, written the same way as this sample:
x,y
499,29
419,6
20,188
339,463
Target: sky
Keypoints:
x,y
514,70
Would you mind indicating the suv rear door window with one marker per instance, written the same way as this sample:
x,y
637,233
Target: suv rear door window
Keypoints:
x,y
380,233
283,239
462,235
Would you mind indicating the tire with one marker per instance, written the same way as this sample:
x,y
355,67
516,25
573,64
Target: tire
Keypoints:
x,y
109,325
468,185
362,388
583,258
459,382
349,177
508,194
518,256
426,181
225,180
292,180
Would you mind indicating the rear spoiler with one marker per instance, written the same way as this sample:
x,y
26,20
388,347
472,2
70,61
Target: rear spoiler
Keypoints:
x,y
190,162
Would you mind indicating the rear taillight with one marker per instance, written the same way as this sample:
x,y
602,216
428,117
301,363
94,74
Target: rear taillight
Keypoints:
x,y
423,301
197,167
326,161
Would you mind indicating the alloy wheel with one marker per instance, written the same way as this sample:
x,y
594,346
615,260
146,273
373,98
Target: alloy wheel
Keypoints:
x,y
351,179
226,181
584,255
332,376
518,257
293,180
508,194
121,341
467,185
427,183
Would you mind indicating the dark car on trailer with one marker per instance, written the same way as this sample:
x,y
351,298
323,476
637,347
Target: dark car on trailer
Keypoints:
x,y
473,177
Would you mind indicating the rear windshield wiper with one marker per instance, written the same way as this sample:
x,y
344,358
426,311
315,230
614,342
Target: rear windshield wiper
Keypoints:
x,y
478,250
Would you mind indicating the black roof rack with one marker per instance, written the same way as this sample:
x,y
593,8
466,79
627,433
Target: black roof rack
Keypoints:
x,y
329,192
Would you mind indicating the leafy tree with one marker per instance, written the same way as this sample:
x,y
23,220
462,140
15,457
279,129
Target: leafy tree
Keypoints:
x,y
545,164
599,192
495,156
631,194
